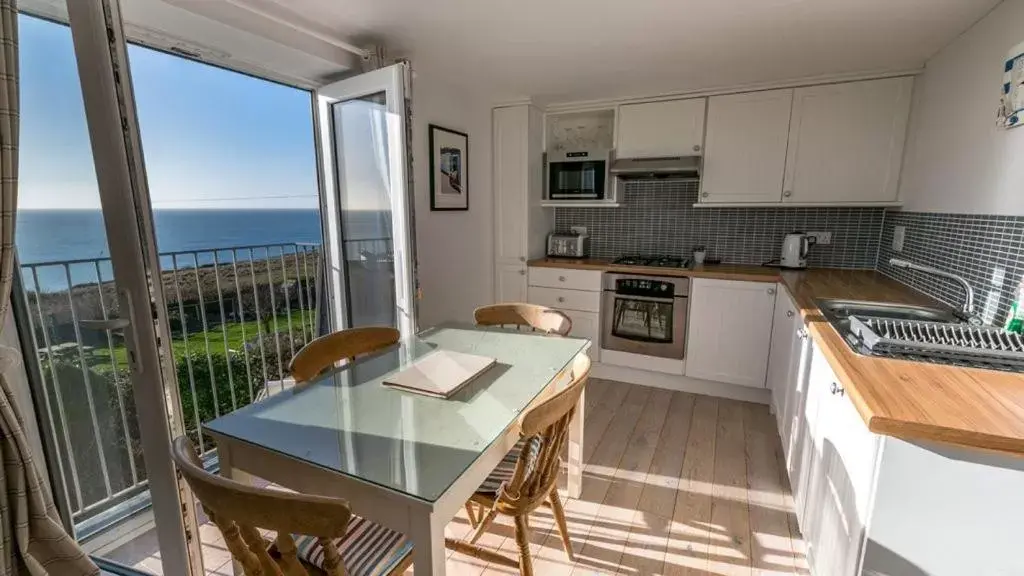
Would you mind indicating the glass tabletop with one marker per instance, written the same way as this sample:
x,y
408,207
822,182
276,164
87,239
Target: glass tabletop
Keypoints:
x,y
348,422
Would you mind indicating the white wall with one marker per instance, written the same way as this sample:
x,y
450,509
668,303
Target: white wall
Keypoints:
x,y
957,160
454,249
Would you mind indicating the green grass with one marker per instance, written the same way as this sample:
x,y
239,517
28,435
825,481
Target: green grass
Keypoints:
x,y
237,334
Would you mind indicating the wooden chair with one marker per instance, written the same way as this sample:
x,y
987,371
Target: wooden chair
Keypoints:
x,y
325,351
537,318
334,541
527,477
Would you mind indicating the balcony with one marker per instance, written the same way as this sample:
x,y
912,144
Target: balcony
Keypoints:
x,y
236,317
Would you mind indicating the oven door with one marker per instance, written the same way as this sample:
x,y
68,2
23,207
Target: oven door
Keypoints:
x,y
577,180
645,325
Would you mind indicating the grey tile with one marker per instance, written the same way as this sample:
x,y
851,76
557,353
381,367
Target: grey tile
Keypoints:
x,y
659,218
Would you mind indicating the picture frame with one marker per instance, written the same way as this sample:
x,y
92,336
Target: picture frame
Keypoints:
x,y
449,169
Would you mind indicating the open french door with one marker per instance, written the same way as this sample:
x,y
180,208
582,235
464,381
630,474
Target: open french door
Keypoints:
x,y
366,200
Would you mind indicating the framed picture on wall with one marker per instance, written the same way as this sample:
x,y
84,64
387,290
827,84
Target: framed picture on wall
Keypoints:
x,y
449,169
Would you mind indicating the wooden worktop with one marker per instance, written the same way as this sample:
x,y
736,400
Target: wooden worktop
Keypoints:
x,y
719,271
911,400
967,407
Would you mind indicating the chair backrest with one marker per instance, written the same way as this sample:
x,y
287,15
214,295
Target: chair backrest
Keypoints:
x,y
239,511
325,351
545,425
537,318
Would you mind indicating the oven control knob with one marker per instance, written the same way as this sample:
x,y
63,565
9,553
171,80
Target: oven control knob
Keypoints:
x,y
664,287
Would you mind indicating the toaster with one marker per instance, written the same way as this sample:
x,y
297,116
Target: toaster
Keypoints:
x,y
562,245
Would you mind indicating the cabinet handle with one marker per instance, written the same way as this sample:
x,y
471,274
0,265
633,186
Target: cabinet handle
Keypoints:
x,y
561,300
837,390
771,291
522,272
789,314
801,333
522,258
706,194
787,193
696,147
561,278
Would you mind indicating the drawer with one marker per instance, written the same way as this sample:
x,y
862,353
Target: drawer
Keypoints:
x,y
566,278
566,299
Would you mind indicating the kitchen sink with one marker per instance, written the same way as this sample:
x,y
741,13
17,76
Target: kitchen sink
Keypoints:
x,y
922,334
842,309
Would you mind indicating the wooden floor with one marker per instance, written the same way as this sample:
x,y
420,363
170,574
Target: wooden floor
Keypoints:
x,y
673,484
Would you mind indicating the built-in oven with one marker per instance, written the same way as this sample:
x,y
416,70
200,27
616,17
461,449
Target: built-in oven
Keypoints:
x,y
645,315
578,175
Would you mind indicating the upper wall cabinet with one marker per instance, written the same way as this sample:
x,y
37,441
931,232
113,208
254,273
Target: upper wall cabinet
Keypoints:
x,y
660,129
745,150
846,142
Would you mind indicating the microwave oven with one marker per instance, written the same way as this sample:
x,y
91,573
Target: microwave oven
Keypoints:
x,y
578,175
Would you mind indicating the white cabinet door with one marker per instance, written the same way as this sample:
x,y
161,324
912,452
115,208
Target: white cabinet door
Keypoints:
x,y
784,328
587,325
846,141
850,458
511,179
658,129
511,284
840,475
730,331
745,148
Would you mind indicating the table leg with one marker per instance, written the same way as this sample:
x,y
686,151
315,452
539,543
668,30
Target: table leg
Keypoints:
x,y
428,552
227,470
575,476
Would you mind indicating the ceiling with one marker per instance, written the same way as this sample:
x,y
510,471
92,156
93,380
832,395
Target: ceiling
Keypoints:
x,y
567,50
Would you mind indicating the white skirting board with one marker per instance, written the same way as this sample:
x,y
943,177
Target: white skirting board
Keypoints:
x,y
680,383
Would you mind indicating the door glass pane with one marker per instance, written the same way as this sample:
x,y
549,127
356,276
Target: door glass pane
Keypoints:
x,y
86,404
361,138
232,175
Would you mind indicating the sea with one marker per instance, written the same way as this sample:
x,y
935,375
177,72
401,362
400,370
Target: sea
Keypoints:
x,y
49,236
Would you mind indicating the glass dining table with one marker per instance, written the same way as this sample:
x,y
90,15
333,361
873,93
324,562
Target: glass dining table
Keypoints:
x,y
405,460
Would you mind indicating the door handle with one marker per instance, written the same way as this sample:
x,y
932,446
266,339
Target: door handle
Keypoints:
x,y
771,291
836,389
789,314
108,324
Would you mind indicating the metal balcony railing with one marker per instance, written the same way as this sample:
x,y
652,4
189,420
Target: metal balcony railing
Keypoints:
x,y
236,317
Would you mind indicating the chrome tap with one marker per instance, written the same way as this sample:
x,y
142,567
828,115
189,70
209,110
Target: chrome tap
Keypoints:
x,y
968,307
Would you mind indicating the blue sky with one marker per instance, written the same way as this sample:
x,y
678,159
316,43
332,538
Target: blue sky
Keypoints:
x,y
211,138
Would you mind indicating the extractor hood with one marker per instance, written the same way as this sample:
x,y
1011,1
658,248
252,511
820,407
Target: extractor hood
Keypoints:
x,y
671,167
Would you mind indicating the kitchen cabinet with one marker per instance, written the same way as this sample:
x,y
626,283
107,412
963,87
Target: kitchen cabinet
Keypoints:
x,y
660,129
745,149
511,283
784,358
575,293
846,141
840,462
520,223
730,328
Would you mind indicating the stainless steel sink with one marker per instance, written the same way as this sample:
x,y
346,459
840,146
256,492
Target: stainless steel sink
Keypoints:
x,y
840,310
922,334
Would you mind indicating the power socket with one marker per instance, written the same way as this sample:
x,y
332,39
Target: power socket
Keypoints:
x,y
899,235
821,237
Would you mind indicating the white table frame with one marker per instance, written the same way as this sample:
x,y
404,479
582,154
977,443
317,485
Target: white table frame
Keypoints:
x,y
424,522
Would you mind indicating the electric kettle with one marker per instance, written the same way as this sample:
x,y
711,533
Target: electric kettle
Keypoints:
x,y
794,250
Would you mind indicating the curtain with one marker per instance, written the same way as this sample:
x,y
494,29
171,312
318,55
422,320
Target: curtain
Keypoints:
x,y
32,539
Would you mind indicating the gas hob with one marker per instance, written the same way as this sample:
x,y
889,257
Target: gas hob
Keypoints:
x,y
653,261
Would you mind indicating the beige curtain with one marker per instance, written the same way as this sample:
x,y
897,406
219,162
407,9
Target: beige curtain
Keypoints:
x,y
32,539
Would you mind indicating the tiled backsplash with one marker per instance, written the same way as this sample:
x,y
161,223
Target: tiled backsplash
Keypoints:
x,y
659,218
987,250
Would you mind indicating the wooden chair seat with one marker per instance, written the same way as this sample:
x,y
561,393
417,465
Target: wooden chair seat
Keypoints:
x,y
505,469
312,534
366,549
